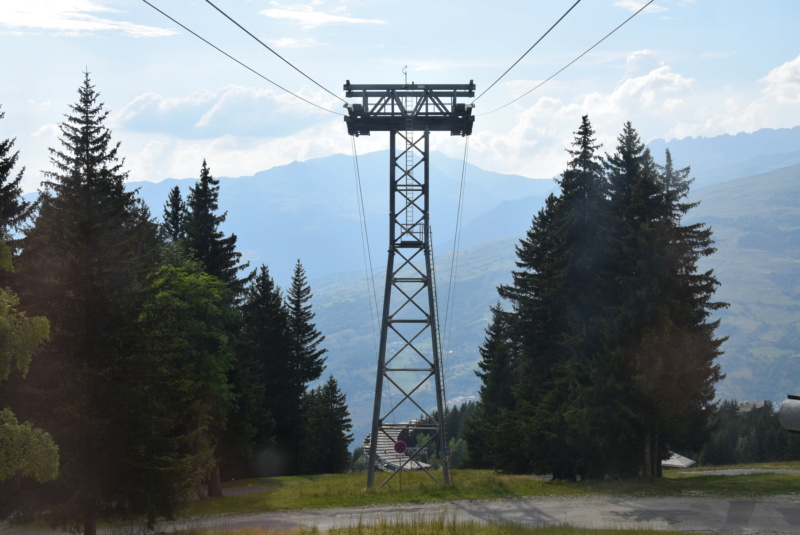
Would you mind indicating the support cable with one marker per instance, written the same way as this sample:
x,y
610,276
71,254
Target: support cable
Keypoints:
x,y
526,52
362,215
239,62
262,43
454,258
568,64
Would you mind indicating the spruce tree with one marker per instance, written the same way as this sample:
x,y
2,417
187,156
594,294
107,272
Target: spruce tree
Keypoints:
x,y
86,265
264,353
14,210
209,245
307,355
329,426
173,225
498,373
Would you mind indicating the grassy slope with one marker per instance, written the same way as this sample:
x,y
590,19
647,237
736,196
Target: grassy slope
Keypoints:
x,y
756,225
347,490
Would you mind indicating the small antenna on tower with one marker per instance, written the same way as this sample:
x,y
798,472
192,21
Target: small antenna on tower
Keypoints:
x,y
405,73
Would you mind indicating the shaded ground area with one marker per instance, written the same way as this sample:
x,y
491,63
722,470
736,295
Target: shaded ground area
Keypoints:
x,y
711,515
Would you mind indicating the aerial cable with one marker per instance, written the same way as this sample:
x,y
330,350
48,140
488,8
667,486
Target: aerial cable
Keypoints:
x,y
526,52
262,43
239,62
570,63
454,258
372,294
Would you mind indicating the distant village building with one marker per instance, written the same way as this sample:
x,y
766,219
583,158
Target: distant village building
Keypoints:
x,y
747,406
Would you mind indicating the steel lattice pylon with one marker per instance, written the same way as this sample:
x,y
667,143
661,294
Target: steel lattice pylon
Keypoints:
x,y
409,357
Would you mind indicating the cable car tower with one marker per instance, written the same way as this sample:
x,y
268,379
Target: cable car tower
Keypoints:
x,y
409,356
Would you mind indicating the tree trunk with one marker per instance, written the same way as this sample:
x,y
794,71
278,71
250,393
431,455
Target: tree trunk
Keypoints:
x,y
647,465
201,494
90,523
214,484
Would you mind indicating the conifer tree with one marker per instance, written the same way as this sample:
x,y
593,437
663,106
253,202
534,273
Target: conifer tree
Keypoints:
x,y
263,353
173,227
329,426
307,355
498,373
86,265
14,210
209,245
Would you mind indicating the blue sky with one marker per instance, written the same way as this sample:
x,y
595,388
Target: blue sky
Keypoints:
x,y
680,68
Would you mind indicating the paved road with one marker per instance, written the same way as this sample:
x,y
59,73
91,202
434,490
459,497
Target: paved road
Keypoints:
x,y
779,515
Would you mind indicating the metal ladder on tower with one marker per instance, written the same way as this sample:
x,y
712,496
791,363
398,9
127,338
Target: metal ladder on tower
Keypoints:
x,y
409,178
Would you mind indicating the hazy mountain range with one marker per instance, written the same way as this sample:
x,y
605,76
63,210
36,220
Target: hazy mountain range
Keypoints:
x,y
748,185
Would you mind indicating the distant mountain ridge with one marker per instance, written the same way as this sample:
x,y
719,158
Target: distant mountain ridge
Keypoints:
x,y
750,196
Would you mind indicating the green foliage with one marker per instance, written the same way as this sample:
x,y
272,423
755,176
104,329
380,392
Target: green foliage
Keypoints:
x,y
86,264
607,354
14,209
201,228
26,451
329,426
173,228
748,436
192,318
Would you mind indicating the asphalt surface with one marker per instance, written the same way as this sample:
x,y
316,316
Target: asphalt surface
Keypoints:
x,y
779,515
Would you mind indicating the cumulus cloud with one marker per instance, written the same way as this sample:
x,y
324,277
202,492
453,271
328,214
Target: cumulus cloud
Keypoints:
x,y
650,95
310,18
164,156
231,110
72,17
783,82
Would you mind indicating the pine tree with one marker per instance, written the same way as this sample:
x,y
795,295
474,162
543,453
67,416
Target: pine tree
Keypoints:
x,y
14,210
173,228
307,355
86,265
329,426
499,374
210,246
263,352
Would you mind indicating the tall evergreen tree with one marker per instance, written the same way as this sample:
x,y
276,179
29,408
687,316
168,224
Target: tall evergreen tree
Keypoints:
x,y
263,353
305,354
305,339
498,371
86,265
329,425
173,226
14,210
615,360
210,246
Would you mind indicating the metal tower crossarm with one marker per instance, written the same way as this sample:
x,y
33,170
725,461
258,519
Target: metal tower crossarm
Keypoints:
x,y
435,108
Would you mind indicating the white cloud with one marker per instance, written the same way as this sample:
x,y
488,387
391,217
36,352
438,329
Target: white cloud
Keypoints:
x,y
163,156
288,42
636,5
72,17
535,144
309,18
230,110
783,83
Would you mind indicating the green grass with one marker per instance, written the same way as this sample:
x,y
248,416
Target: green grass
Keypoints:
x,y
348,490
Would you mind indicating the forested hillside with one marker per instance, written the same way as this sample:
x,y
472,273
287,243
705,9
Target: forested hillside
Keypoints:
x,y
756,279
